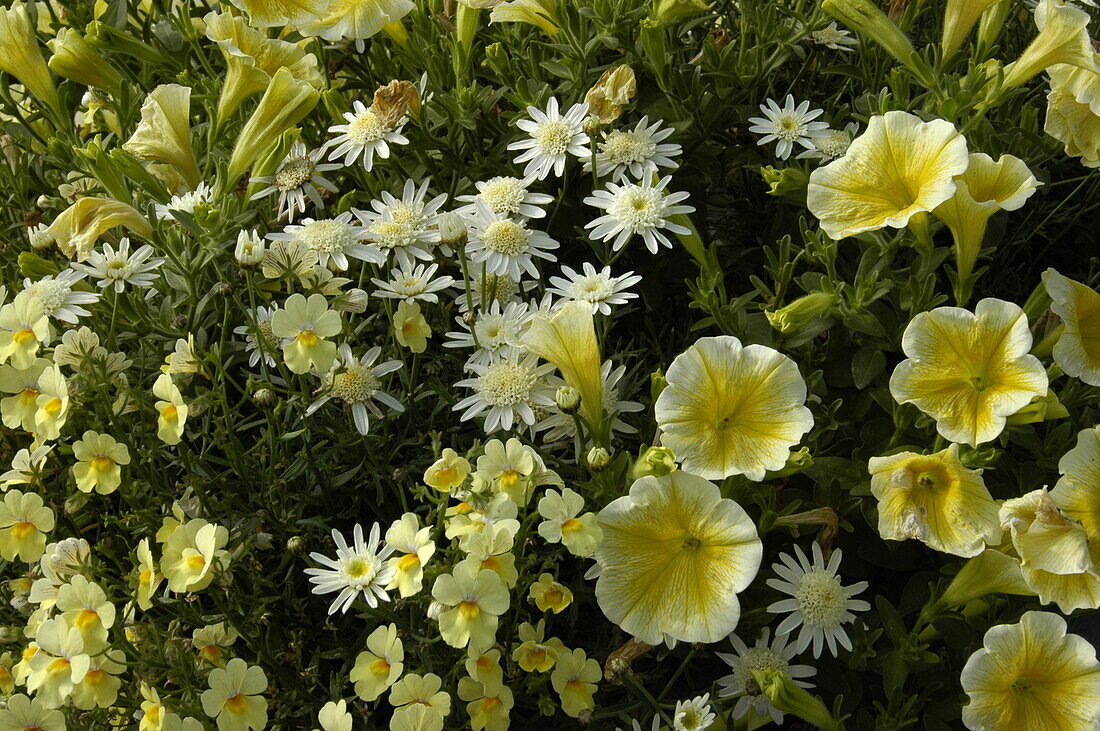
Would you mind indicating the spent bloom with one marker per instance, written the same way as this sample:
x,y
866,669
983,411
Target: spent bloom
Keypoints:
x,y
788,125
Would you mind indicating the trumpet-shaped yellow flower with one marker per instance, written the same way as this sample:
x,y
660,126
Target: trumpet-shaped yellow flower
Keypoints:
x,y
549,595
74,58
574,679
567,338
355,19
534,653
899,167
969,371
252,60
542,13
171,410
234,697
1063,39
1073,111
24,523
191,554
1032,675
673,556
958,18
305,324
1078,348
267,13
77,229
164,132
22,57
100,461
935,499
448,472
380,665
730,409
24,328
985,188
475,598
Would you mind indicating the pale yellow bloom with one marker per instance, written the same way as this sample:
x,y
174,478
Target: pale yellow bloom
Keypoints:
x,y
1063,39
574,678
24,522
84,605
413,548
475,598
1078,348
60,663
1032,675
899,167
234,697
380,665
563,522
549,595
148,577
410,328
542,13
53,404
19,409
171,409
305,325
210,640
24,328
935,499
74,58
100,461
674,555
422,690
448,472
491,549
567,338
535,654
164,132
355,19
969,371
192,553
99,688
22,56
959,18
1073,111
77,229
730,409
489,704
266,13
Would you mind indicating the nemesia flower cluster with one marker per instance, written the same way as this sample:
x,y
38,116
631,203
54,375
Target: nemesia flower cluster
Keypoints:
x,y
489,364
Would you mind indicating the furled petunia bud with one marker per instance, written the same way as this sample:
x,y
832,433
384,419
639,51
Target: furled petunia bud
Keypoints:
x,y
75,59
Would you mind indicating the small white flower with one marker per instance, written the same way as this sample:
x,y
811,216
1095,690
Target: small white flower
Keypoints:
x,y
184,202
297,179
832,143
507,390
332,239
407,226
507,195
506,245
818,603
553,137
642,209
493,331
790,125
358,569
417,283
365,135
58,298
766,658
250,248
118,267
693,715
838,39
638,152
600,288
358,383
260,342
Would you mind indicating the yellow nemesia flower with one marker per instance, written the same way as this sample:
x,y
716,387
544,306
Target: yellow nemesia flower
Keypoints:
x,y
564,523
1073,111
53,404
448,472
164,132
549,595
423,691
22,57
148,577
413,548
305,325
567,338
673,556
171,408
574,678
77,229
377,667
210,640
24,328
969,371
899,167
84,606
99,688
1078,348
489,706
410,328
1032,675
475,598
491,549
100,460
234,697
730,409
24,522
191,554
534,654
935,499
21,712
18,411
60,663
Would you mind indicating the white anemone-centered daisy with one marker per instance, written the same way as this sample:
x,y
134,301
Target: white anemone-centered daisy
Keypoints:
x,y
819,603
185,202
493,331
553,138
791,125
58,298
413,283
765,657
115,268
508,195
407,226
260,341
357,570
831,143
365,135
297,179
357,382
641,209
599,288
636,153
333,240
507,390
506,245
693,715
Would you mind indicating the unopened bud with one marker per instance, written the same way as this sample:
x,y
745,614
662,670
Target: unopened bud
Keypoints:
x,y
264,397
452,230
434,610
295,544
568,399
656,462
598,458
250,248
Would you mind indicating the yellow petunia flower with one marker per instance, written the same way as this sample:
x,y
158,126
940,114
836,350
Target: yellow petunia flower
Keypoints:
x,y
74,58
969,371
100,686
935,499
1073,111
267,13
1063,39
24,523
77,229
1078,348
673,556
448,472
100,461
171,409
380,665
1032,675
60,663
730,409
541,13
899,167
355,19
549,595
22,56
164,132
574,679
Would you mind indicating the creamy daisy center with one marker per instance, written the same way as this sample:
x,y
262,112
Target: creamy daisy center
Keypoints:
x,y
637,208
505,195
366,128
553,137
327,236
821,599
626,147
354,385
294,174
757,658
506,237
391,234
506,384
52,293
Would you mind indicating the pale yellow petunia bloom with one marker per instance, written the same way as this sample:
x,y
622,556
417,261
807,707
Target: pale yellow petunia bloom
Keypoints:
x,y
266,13
1073,111
1078,348
969,371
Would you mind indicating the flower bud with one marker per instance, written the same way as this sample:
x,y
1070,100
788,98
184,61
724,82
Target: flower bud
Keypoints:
x,y
434,610
671,11
790,183
295,544
789,698
598,459
568,399
452,230
264,397
990,572
654,461
39,237
799,313
250,248
1041,408
74,59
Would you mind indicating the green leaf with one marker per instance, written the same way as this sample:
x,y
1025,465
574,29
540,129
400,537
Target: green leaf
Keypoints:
x,y
867,364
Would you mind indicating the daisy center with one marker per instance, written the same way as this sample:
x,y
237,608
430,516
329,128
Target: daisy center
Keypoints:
x,y
354,385
506,384
506,237
637,209
553,137
821,599
326,237
366,128
360,569
294,174
626,147
51,293
504,196
789,127
391,234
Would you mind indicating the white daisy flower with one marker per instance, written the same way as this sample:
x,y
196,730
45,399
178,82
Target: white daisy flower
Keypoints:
x,y
59,299
507,390
553,137
332,239
358,569
259,341
297,179
507,195
506,245
838,39
562,427
642,209
789,124
767,658
597,287
492,332
184,202
365,135
693,715
417,283
636,153
832,143
357,382
818,603
118,267
407,226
